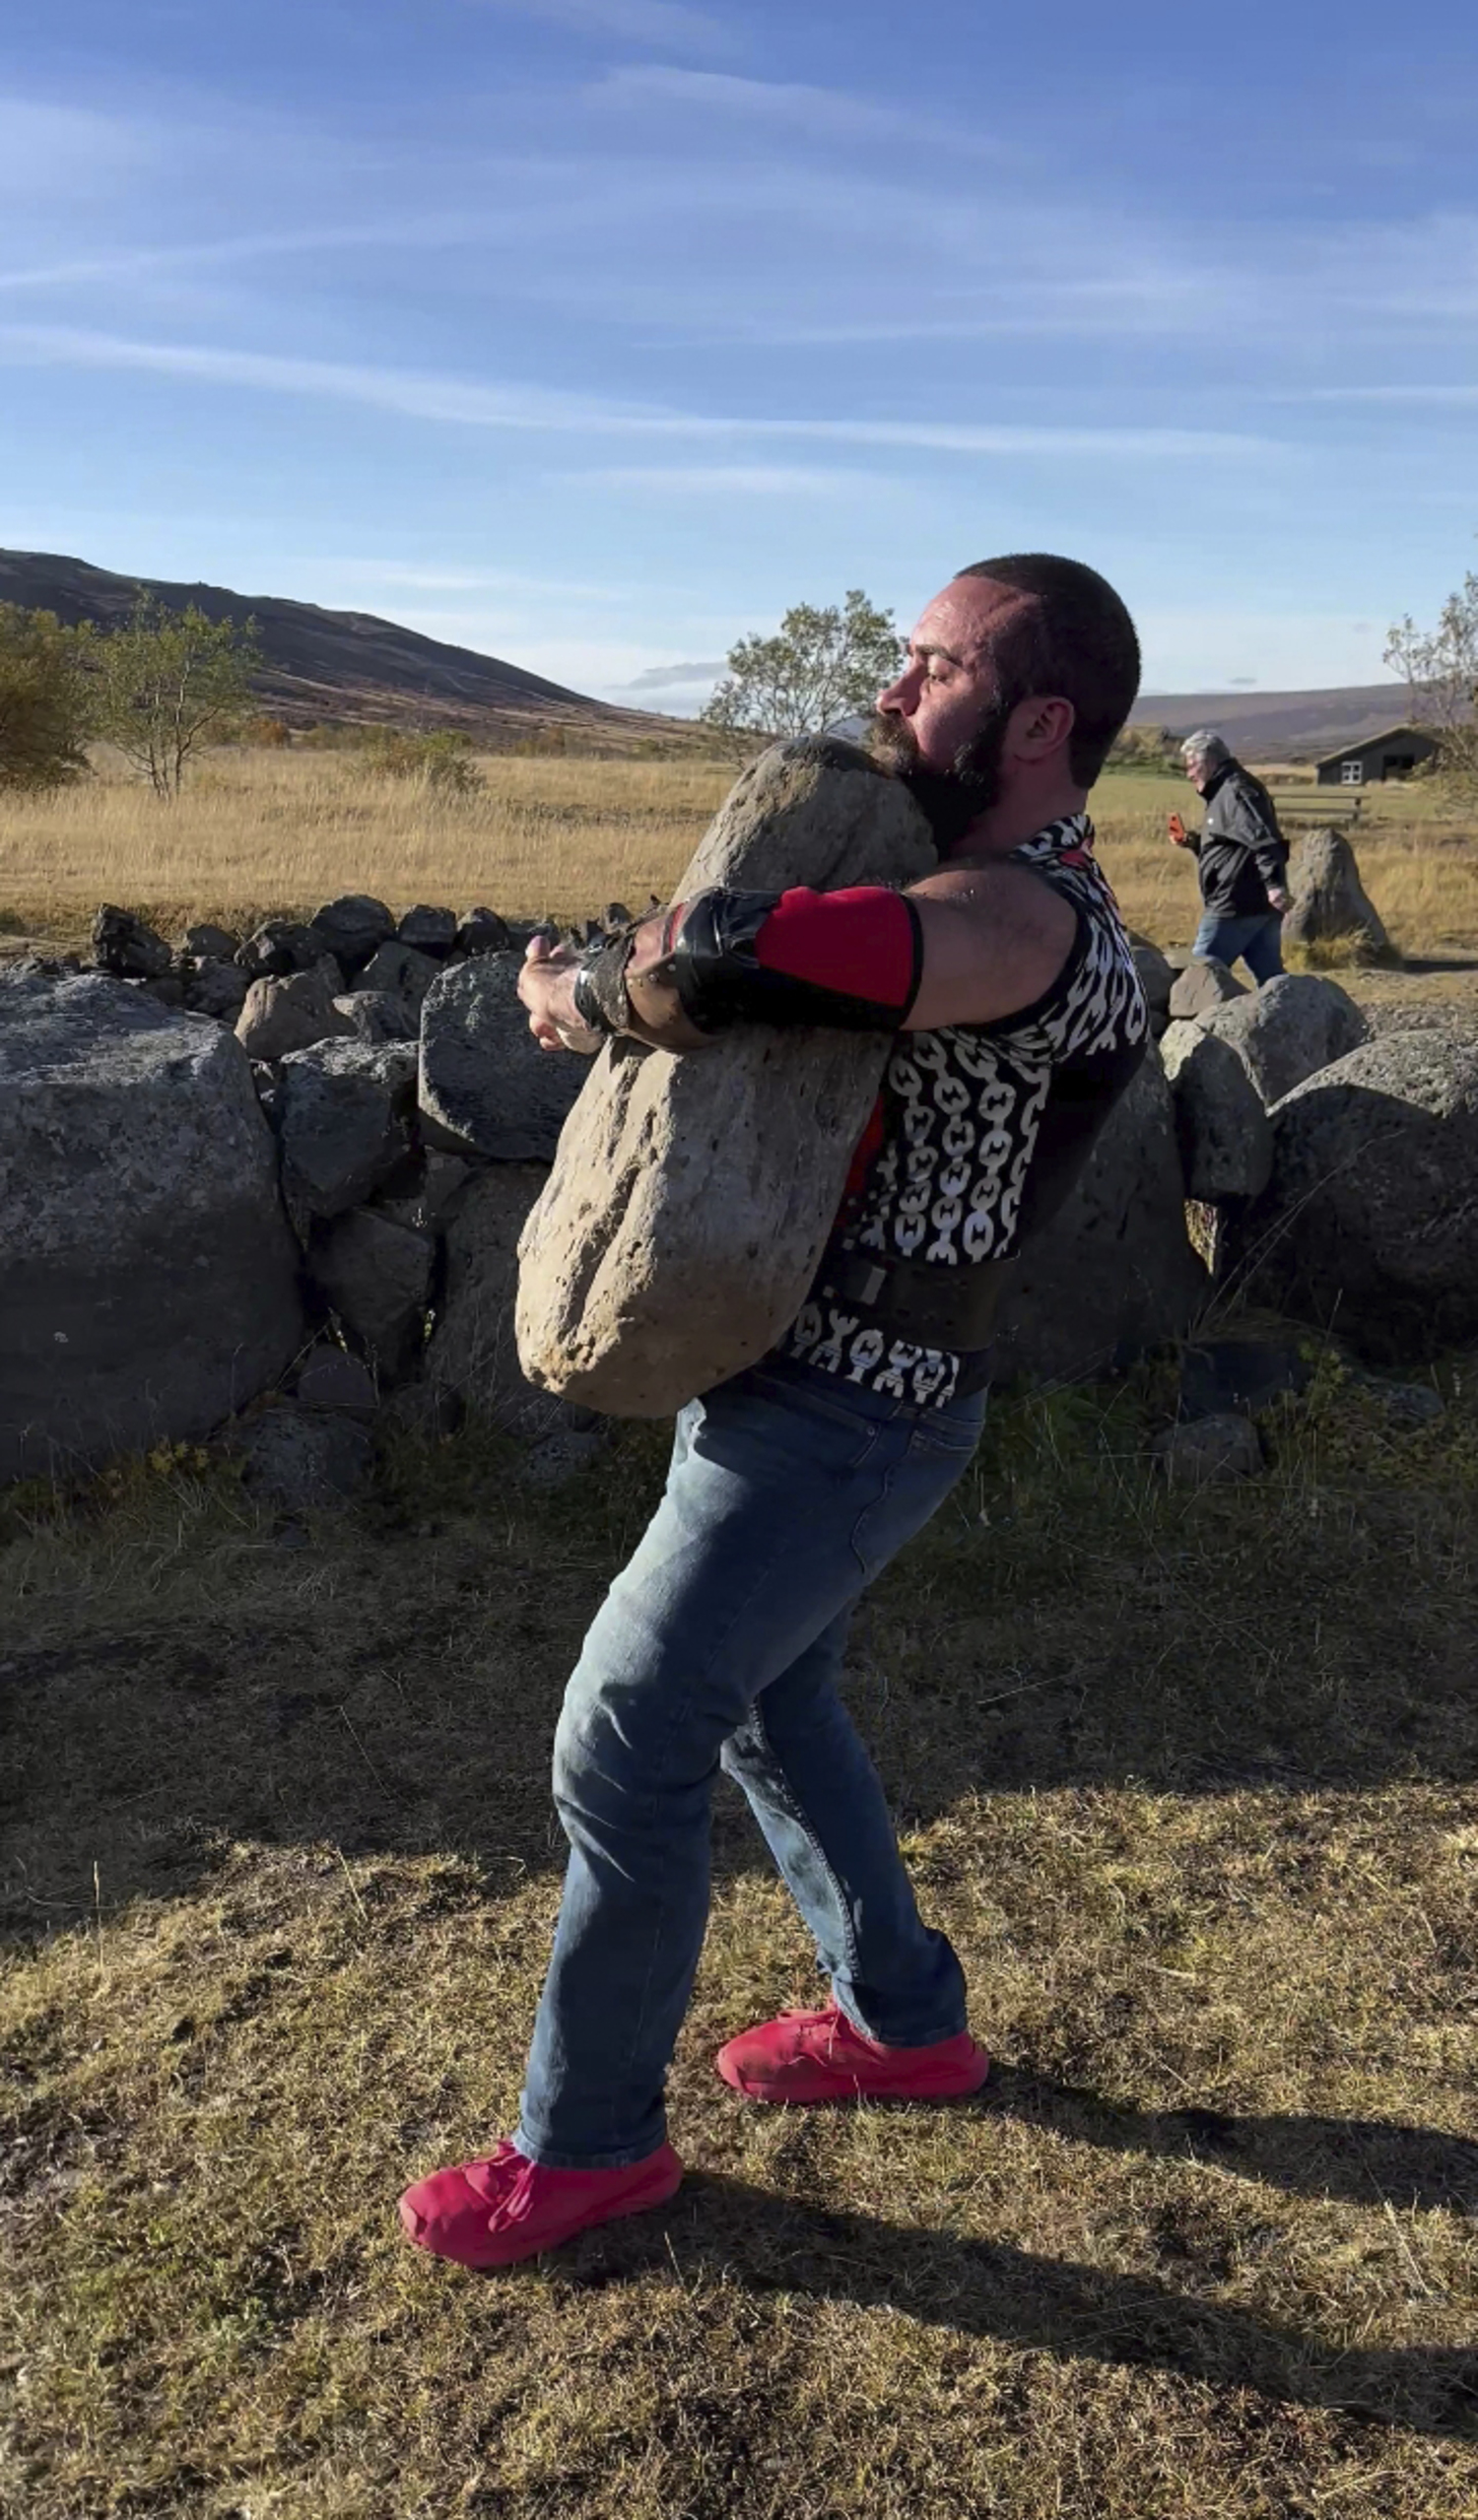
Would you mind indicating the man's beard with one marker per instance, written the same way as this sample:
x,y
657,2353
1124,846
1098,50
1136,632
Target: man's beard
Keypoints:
x,y
951,799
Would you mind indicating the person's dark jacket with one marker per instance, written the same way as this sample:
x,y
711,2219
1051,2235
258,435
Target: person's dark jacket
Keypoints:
x,y
1239,849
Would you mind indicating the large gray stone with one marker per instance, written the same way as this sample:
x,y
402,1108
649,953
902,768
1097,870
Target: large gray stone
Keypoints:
x,y
352,928
342,1122
1225,1136
428,930
281,946
217,988
691,1197
1203,986
1292,1027
377,1017
148,1278
280,1017
473,1353
399,971
1330,904
126,948
486,1086
298,1458
1156,978
1112,1273
1370,1226
1209,1452
376,1275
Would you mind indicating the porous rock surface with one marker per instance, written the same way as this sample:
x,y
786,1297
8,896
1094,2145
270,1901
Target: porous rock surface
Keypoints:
x,y
691,1197
1289,1029
1369,1224
1114,1273
486,1086
148,1276
1330,904
1226,1137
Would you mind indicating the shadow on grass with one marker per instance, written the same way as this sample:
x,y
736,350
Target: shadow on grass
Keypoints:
x,y
761,2243
1367,2160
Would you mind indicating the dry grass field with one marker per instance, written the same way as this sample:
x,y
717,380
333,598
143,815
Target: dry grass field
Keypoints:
x,y
284,831
1192,1781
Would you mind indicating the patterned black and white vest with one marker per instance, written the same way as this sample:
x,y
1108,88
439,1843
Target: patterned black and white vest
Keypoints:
x,y
982,1128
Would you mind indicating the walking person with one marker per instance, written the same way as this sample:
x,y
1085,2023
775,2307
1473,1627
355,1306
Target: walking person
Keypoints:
x,y
1008,982
1241,860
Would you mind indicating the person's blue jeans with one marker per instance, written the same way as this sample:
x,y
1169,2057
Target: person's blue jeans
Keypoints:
x,y
721,1641
1257,940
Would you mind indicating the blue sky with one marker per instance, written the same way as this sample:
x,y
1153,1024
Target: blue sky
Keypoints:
x,y
595,332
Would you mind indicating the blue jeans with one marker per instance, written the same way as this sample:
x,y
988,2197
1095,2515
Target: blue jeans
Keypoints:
x,y
721,1642
1256,940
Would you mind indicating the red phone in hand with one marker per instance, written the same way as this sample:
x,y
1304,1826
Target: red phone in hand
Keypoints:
x,y
1177,828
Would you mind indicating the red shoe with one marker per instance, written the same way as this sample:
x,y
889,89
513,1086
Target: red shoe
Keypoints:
x,y
492,2213
804,2058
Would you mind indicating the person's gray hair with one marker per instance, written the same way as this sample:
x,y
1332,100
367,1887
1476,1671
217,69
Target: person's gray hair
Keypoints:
x,y
1206,746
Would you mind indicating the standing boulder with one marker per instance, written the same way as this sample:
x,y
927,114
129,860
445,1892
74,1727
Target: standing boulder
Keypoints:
x,y
147,1277
342,1121
1292,1027
1370,1226
1330,904
691,1198
1226,1137
1112,1273
486,1086
127,948
1201,987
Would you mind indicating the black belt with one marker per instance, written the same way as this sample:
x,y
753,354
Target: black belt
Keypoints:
x,y
922,1300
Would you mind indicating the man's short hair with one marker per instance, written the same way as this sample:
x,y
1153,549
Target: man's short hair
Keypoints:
x,y
1206,746
1072,640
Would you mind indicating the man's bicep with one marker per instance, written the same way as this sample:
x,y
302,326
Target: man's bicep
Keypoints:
x,y
993,946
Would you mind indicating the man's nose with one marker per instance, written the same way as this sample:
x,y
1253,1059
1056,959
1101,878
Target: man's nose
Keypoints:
x,y
900,699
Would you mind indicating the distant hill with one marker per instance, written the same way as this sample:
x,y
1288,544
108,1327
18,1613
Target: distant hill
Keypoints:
x,y
1279,726
323,666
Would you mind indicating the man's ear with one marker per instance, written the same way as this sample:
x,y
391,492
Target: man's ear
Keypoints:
x,y
1039,727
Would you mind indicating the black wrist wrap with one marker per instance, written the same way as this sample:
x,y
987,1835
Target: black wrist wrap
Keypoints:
x,y
721,980
600,998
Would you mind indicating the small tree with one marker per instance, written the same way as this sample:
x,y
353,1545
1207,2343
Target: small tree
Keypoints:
x,y
45,700
823,663
1440,667
168,681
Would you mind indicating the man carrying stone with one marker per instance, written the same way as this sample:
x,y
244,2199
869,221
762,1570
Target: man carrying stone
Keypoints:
x,y
1008,982
1241,860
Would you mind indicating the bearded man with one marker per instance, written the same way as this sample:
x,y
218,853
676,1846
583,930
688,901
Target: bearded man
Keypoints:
x,y
1008,980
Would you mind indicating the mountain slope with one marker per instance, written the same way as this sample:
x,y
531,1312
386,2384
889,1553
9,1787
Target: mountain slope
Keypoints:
x,y
325,665
1279,726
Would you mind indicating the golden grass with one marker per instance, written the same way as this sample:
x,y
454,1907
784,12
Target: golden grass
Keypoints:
x,y
284,831
1189,1782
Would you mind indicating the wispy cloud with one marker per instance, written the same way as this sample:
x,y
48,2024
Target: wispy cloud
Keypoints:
x,y
785,106
743,481
541,408
650,25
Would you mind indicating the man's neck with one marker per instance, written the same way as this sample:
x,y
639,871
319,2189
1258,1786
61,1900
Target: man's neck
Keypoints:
x,y
1017,818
